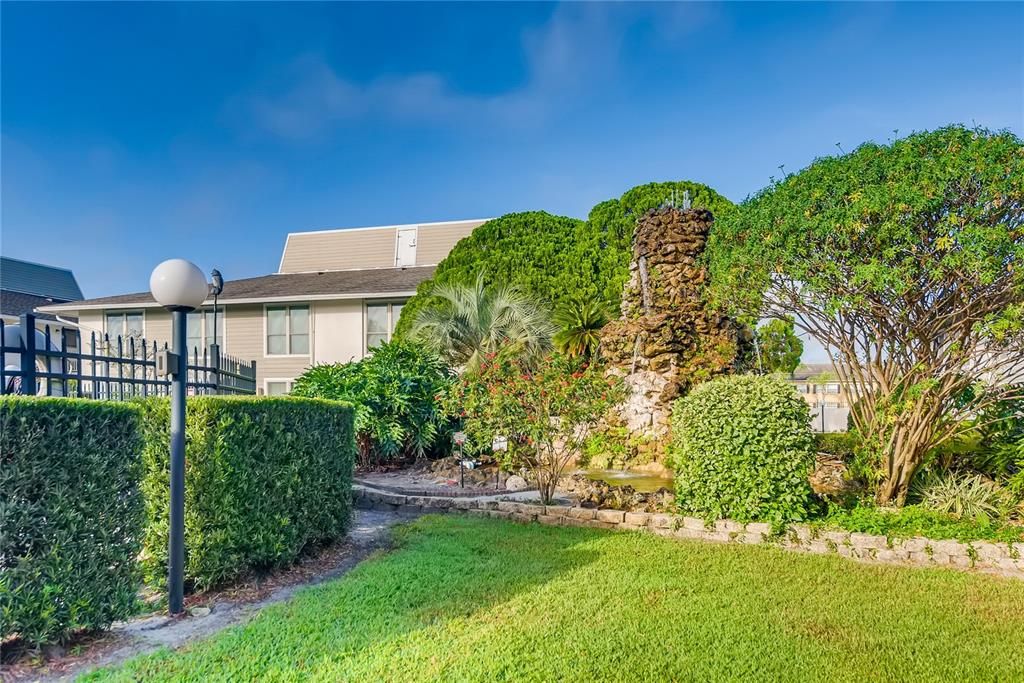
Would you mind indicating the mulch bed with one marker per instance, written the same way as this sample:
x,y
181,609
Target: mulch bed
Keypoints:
x,y
22,661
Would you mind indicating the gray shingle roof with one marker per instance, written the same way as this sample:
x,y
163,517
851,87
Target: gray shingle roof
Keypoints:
x,y
16,303
26,277
341,283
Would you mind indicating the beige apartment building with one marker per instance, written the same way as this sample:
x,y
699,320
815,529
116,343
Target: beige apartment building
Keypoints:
x,y
336,295
828,398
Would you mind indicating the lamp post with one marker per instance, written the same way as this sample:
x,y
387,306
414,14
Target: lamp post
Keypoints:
x,y
216,287
179,286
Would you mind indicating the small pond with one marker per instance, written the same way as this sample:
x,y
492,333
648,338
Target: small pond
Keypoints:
x,y
641,481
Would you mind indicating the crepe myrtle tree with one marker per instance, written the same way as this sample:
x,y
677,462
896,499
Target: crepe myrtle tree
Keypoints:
x,y
545,410
904,260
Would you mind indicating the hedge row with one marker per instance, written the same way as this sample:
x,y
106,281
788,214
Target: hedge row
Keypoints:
x,y
71,515
84,489
265,478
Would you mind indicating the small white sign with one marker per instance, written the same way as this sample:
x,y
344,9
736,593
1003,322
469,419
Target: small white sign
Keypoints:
x,y
459,438
499,443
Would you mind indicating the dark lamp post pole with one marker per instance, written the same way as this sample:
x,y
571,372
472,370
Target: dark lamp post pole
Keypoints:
x,y
216,287
180,287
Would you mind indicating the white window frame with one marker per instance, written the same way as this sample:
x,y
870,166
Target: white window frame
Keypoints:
x,y
289,381
288,334
390,303
222,328
124,316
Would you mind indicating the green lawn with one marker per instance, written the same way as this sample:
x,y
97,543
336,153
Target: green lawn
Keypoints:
x,y
468,599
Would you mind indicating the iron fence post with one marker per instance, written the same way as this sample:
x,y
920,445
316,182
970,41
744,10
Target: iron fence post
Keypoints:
x,y
215,356
28,354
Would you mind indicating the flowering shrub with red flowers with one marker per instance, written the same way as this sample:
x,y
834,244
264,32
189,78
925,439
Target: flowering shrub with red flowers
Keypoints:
x,y
546,411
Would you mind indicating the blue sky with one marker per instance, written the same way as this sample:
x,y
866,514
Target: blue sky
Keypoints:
x,y
136,132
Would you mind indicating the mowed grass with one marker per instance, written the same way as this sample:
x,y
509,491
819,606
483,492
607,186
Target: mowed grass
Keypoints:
x,y
469,599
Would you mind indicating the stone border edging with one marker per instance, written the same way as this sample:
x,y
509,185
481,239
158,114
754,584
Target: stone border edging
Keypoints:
x,y
985,556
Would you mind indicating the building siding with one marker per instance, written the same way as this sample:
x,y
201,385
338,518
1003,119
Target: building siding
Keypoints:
x,y
338,331
342,250
246,340
369,247
433,243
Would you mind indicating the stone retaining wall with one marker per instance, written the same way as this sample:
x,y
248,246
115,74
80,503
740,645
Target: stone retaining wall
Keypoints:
x,y
985,556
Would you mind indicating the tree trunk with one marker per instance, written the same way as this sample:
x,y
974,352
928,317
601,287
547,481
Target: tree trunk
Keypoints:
x,y
905,454
547,490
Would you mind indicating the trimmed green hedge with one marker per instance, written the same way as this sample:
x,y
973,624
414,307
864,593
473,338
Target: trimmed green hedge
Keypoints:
x,y
71,515
743,449
266,478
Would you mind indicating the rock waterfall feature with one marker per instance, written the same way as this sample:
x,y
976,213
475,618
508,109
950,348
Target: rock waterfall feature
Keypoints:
x,y
666,338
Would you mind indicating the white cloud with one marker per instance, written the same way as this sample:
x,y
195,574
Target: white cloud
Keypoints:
x,y
578,45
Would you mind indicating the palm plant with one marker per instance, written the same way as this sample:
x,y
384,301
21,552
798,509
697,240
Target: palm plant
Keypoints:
x,y
471,321
580,321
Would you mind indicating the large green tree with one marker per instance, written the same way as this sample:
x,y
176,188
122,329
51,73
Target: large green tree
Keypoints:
x,y
555,258
904,261
532,250
778,347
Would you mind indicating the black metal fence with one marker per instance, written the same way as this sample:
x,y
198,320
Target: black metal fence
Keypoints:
x,y
39,362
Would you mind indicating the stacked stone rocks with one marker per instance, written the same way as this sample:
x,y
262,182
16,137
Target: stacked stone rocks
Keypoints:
x,y
666,339
990,557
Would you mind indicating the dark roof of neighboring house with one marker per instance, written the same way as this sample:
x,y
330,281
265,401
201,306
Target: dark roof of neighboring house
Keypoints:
x,y
25,277
16,303
290,286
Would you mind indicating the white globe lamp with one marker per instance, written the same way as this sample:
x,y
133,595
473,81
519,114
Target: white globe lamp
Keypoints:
x,y
178,284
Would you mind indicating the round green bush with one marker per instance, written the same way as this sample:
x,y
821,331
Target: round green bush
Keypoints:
x,y
742,448
394,392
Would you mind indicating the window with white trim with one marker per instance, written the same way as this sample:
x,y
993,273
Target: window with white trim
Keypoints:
x,y
200,330
381,320
278,387
125,324
287,330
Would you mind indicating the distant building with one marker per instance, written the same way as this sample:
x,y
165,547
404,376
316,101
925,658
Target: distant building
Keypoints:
x,y
25,286
336,295
828,397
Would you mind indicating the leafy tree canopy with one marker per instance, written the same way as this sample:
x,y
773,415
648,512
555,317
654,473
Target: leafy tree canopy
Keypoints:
x,y
904,261
554,258
779,347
